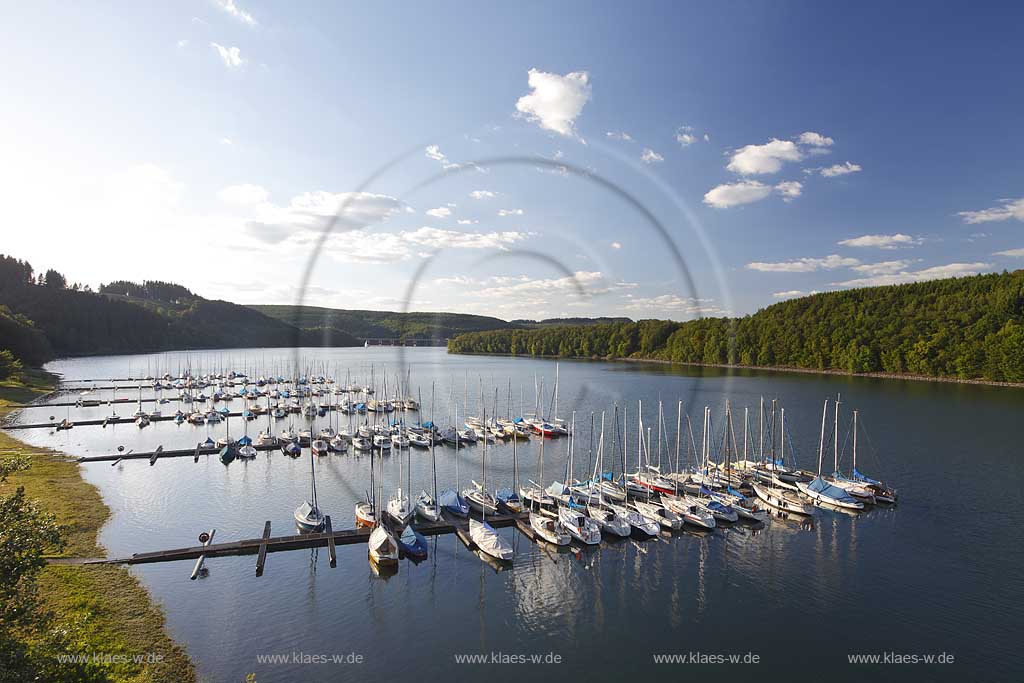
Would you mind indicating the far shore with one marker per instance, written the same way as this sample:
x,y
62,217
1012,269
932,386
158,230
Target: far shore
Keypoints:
x,y
762,368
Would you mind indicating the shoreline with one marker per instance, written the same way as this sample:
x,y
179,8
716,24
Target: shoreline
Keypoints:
x,y
760,368
113,610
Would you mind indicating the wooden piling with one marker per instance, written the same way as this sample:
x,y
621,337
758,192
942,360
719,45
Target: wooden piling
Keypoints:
x,y
331,554
261,558
156,454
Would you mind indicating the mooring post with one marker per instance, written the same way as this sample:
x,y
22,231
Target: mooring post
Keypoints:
x,y
261,557
207,538
331,554
195,456
156,454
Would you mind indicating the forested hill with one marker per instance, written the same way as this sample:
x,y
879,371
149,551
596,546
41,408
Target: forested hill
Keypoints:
x,y
969,328
42,316
412,326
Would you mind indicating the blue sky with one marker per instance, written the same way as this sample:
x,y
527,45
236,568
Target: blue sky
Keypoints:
x,y
785,147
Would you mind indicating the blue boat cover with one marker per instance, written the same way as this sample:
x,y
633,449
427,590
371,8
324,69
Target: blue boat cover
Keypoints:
x,y
821,486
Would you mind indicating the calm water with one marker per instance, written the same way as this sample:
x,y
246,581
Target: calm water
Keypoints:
x,y
937,573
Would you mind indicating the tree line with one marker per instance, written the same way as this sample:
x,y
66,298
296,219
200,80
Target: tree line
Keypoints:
x,y
42,317
968,328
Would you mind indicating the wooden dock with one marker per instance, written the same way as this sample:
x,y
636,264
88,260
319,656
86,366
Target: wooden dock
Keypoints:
x,y
267,544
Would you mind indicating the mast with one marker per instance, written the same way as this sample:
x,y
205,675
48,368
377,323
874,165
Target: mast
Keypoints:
x,y
855,444
760,438
679,424
835,440
433,444
821,442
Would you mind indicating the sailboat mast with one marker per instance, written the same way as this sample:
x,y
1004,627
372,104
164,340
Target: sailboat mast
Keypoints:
x,y
835,437
854,443
821,441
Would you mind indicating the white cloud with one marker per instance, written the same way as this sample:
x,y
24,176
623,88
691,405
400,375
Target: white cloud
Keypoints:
x,y
792,294
734,194
805,265
1007,209
615,245
881,241
245,194
933,273
619,135
434,152
466,221
790,190
839,169
883,268
1012,253
555,101
231,56
311,211
451,239
510,212
482,194
766,158
439,212
671,304
815,139
237,12
225,141
183,42
685,136
651,157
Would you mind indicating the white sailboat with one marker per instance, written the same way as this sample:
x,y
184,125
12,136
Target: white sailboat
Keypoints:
x,y
308,516
819,491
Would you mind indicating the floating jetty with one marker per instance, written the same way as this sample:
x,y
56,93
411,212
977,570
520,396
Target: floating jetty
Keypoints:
x,y
266,544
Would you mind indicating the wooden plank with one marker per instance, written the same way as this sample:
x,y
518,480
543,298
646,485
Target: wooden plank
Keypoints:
x,y
156,454
463,535
331,553
261,559
195,456
526,530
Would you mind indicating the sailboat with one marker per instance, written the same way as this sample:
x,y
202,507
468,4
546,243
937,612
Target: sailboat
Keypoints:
x,y
450,499
398,508
819,491
308,516
607,518
482,534
857,489
548,529
883,494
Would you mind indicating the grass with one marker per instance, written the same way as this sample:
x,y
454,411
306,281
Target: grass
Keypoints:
x,y
112,610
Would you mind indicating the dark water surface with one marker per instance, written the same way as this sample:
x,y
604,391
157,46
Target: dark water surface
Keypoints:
x,y
938,573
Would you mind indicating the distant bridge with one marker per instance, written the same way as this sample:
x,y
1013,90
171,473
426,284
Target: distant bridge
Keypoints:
x,y
395,341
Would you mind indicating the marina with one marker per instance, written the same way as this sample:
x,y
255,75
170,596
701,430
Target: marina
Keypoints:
x,y
162,503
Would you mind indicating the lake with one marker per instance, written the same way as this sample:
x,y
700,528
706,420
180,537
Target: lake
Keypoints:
x,y
937,573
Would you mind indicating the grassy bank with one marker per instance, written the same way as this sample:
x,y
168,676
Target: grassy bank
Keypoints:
x,y
111,609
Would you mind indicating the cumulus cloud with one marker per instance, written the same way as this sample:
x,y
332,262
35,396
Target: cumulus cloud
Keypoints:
x,y
792,294
619,135
311,211
805,265
790,190
378,247
245,194
838,169
671,304
815,139
904,276
883,268
555,102
1012,253
510,212
685,136
231,56
237,12
1006,210
616,245
466,221
733,194
482,194
649,156
452,239
439,212
763,159
881,241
